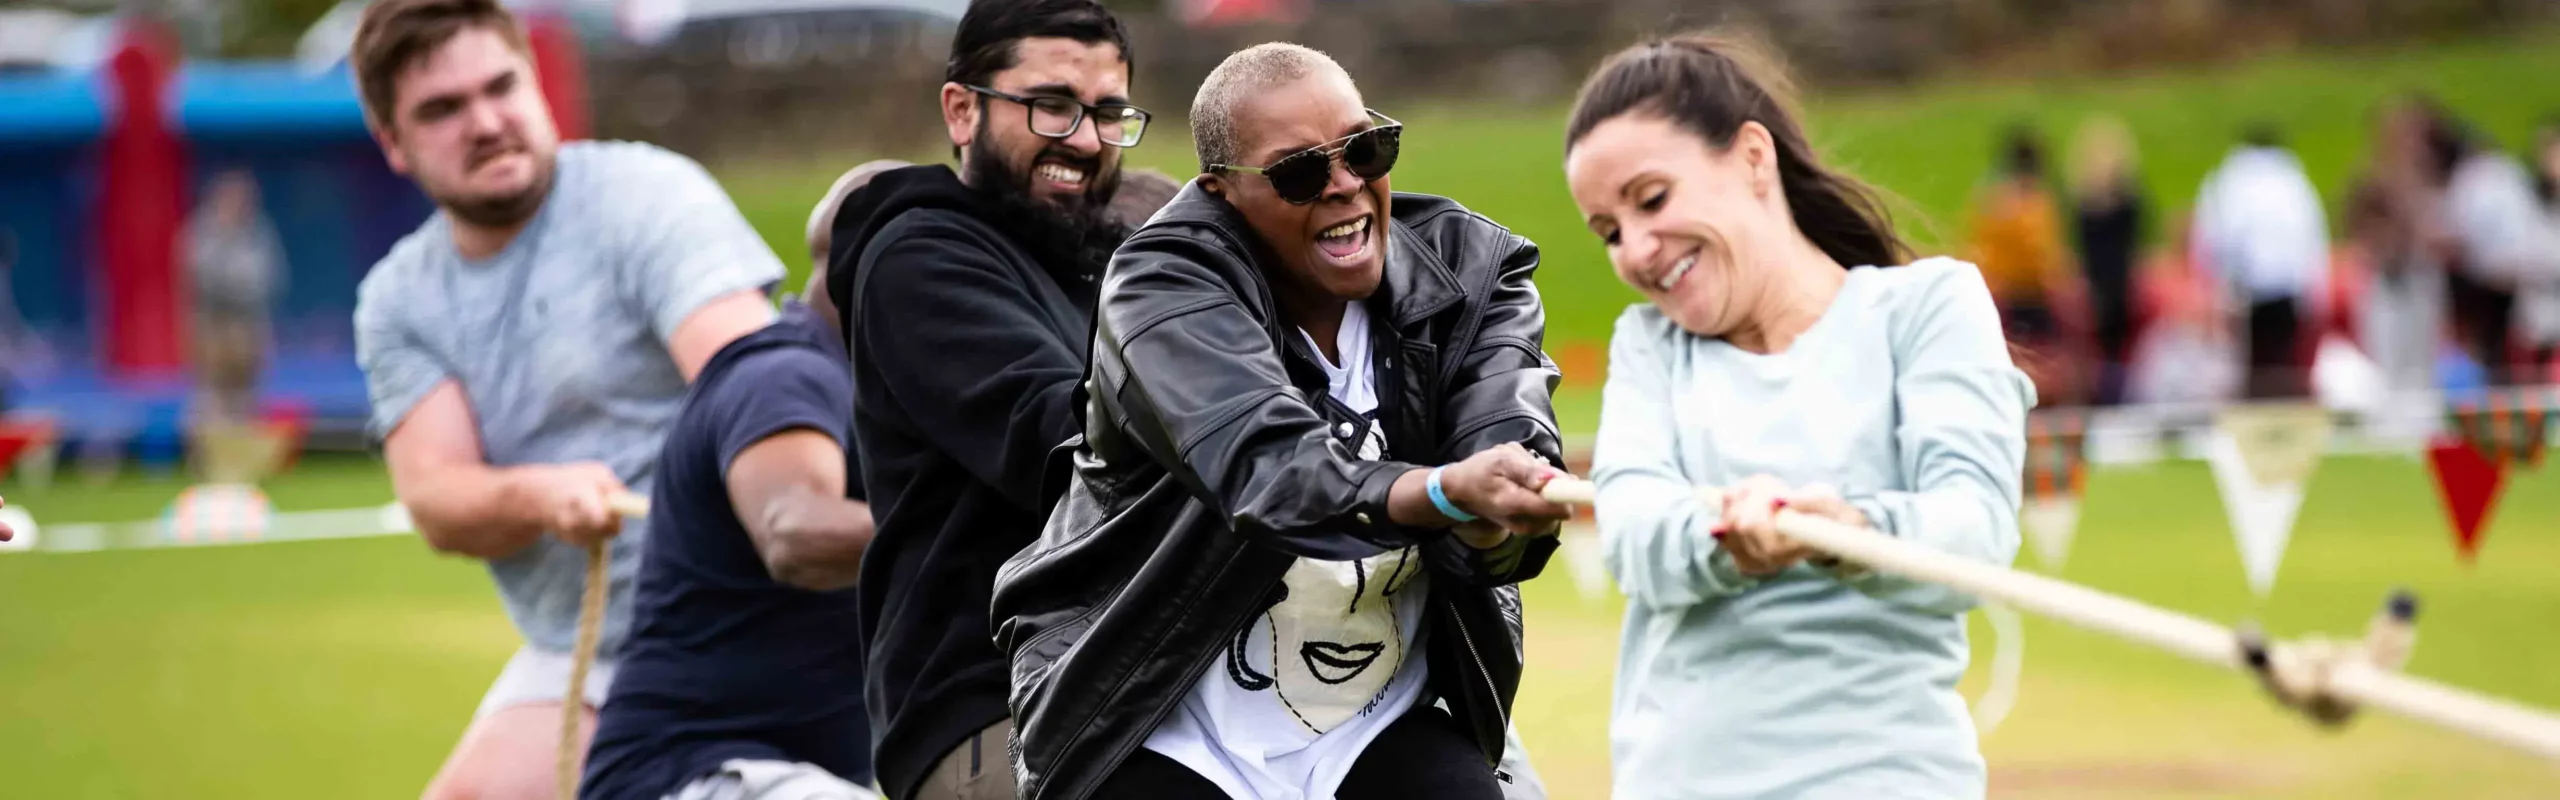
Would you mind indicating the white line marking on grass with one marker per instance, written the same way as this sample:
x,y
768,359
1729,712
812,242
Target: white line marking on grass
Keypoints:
x,y
292,526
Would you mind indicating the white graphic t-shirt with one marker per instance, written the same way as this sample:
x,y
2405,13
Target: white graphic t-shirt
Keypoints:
x,y
1297,694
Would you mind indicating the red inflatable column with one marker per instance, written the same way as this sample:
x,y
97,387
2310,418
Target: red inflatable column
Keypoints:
x,y
564,72
141,205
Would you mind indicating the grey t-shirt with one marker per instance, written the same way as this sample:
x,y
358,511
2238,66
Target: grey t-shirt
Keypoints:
x,y
560,341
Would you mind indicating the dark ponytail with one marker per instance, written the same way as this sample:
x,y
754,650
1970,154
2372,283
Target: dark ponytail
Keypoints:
x,y
1710,84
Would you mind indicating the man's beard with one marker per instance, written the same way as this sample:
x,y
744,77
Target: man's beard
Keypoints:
x,y
1080,236
501,211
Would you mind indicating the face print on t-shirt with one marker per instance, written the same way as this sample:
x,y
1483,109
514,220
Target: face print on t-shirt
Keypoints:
x,y
1334,639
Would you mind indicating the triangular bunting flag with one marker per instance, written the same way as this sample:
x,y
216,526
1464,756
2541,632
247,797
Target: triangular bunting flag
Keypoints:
x,y
1583,561
2262,458
2508,427
2469,483
2278,443
2050,521
2057,467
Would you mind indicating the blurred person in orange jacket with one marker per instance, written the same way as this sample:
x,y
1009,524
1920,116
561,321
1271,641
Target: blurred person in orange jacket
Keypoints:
x,y
2018,244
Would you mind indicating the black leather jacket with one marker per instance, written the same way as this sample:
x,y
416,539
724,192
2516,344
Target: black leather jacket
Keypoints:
x,y
1212,458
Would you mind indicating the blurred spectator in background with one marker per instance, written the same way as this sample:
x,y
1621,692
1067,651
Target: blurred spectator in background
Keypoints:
x,y
822,218
2395,223
2017,242
820,234
15,340
2502,242
2540,299
2182,351
2261,231
2107,214
1142,193
234,260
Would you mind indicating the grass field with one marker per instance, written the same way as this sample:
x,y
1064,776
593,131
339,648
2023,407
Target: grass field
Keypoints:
x,y
346,668
1930,146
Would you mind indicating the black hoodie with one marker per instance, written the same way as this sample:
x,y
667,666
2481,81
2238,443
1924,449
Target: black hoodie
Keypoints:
x,y
967,348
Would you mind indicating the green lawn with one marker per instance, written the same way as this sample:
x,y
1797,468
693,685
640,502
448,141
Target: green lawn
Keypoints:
x,y
346,668
1929,146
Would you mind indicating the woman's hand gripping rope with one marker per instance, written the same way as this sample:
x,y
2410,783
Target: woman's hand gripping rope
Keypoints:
x,y
2324,680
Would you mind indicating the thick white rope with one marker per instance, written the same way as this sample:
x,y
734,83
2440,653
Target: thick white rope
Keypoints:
x,y
2324,680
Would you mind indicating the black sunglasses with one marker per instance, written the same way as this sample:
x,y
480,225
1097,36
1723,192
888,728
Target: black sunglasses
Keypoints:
x,y
1116,124
1300,177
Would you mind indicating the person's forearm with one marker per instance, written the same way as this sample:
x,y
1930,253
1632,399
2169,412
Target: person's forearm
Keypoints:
x,y
472,510
1409,502
814,541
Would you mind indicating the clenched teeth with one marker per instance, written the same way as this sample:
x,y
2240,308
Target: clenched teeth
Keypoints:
x,y
1673,277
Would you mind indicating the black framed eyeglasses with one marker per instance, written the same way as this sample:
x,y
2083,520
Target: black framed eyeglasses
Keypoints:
x,y
1116,124
1300,177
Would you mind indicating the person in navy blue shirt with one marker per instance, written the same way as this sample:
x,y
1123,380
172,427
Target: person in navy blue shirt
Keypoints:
x,y
743,675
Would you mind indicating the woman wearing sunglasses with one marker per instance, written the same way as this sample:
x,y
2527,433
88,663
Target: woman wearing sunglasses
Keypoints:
x,y
1781,354
1317,427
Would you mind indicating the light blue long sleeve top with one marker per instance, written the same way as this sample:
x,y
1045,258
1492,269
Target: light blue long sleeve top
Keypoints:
x,y
1805,683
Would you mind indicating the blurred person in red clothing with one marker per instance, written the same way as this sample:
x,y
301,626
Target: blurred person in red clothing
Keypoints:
x,y
2183,349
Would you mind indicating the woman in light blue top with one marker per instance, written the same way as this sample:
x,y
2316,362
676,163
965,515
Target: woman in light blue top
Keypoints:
x,y
1777,360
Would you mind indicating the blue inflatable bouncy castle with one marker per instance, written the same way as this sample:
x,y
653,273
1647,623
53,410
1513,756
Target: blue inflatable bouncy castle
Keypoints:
x,y
99,168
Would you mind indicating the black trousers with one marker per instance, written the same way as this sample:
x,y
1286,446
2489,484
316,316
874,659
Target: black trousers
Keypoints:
x,y
2275,334
1423,755
2484,316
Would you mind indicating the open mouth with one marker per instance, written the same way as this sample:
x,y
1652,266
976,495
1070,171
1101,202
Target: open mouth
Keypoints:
x,y
1063,176
1333,662
1346,240
1679,270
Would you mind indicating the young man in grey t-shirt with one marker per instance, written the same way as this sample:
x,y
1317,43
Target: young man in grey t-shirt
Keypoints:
x,y
527,348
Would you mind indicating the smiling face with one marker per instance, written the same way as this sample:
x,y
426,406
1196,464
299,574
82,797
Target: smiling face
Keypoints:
x,y
1683,222
469,124
1334,248
1067,175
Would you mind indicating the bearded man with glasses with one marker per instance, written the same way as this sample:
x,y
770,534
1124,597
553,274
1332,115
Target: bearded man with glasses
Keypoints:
x,y
1257,584
967,300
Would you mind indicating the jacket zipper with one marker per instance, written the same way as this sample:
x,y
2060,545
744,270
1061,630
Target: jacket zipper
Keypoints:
x,y
1460,618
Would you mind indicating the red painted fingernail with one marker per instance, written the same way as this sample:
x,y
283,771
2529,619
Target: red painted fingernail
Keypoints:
x,y
1777,504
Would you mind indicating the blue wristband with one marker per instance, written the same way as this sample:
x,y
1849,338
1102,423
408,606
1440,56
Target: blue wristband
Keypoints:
x,y
1440,500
